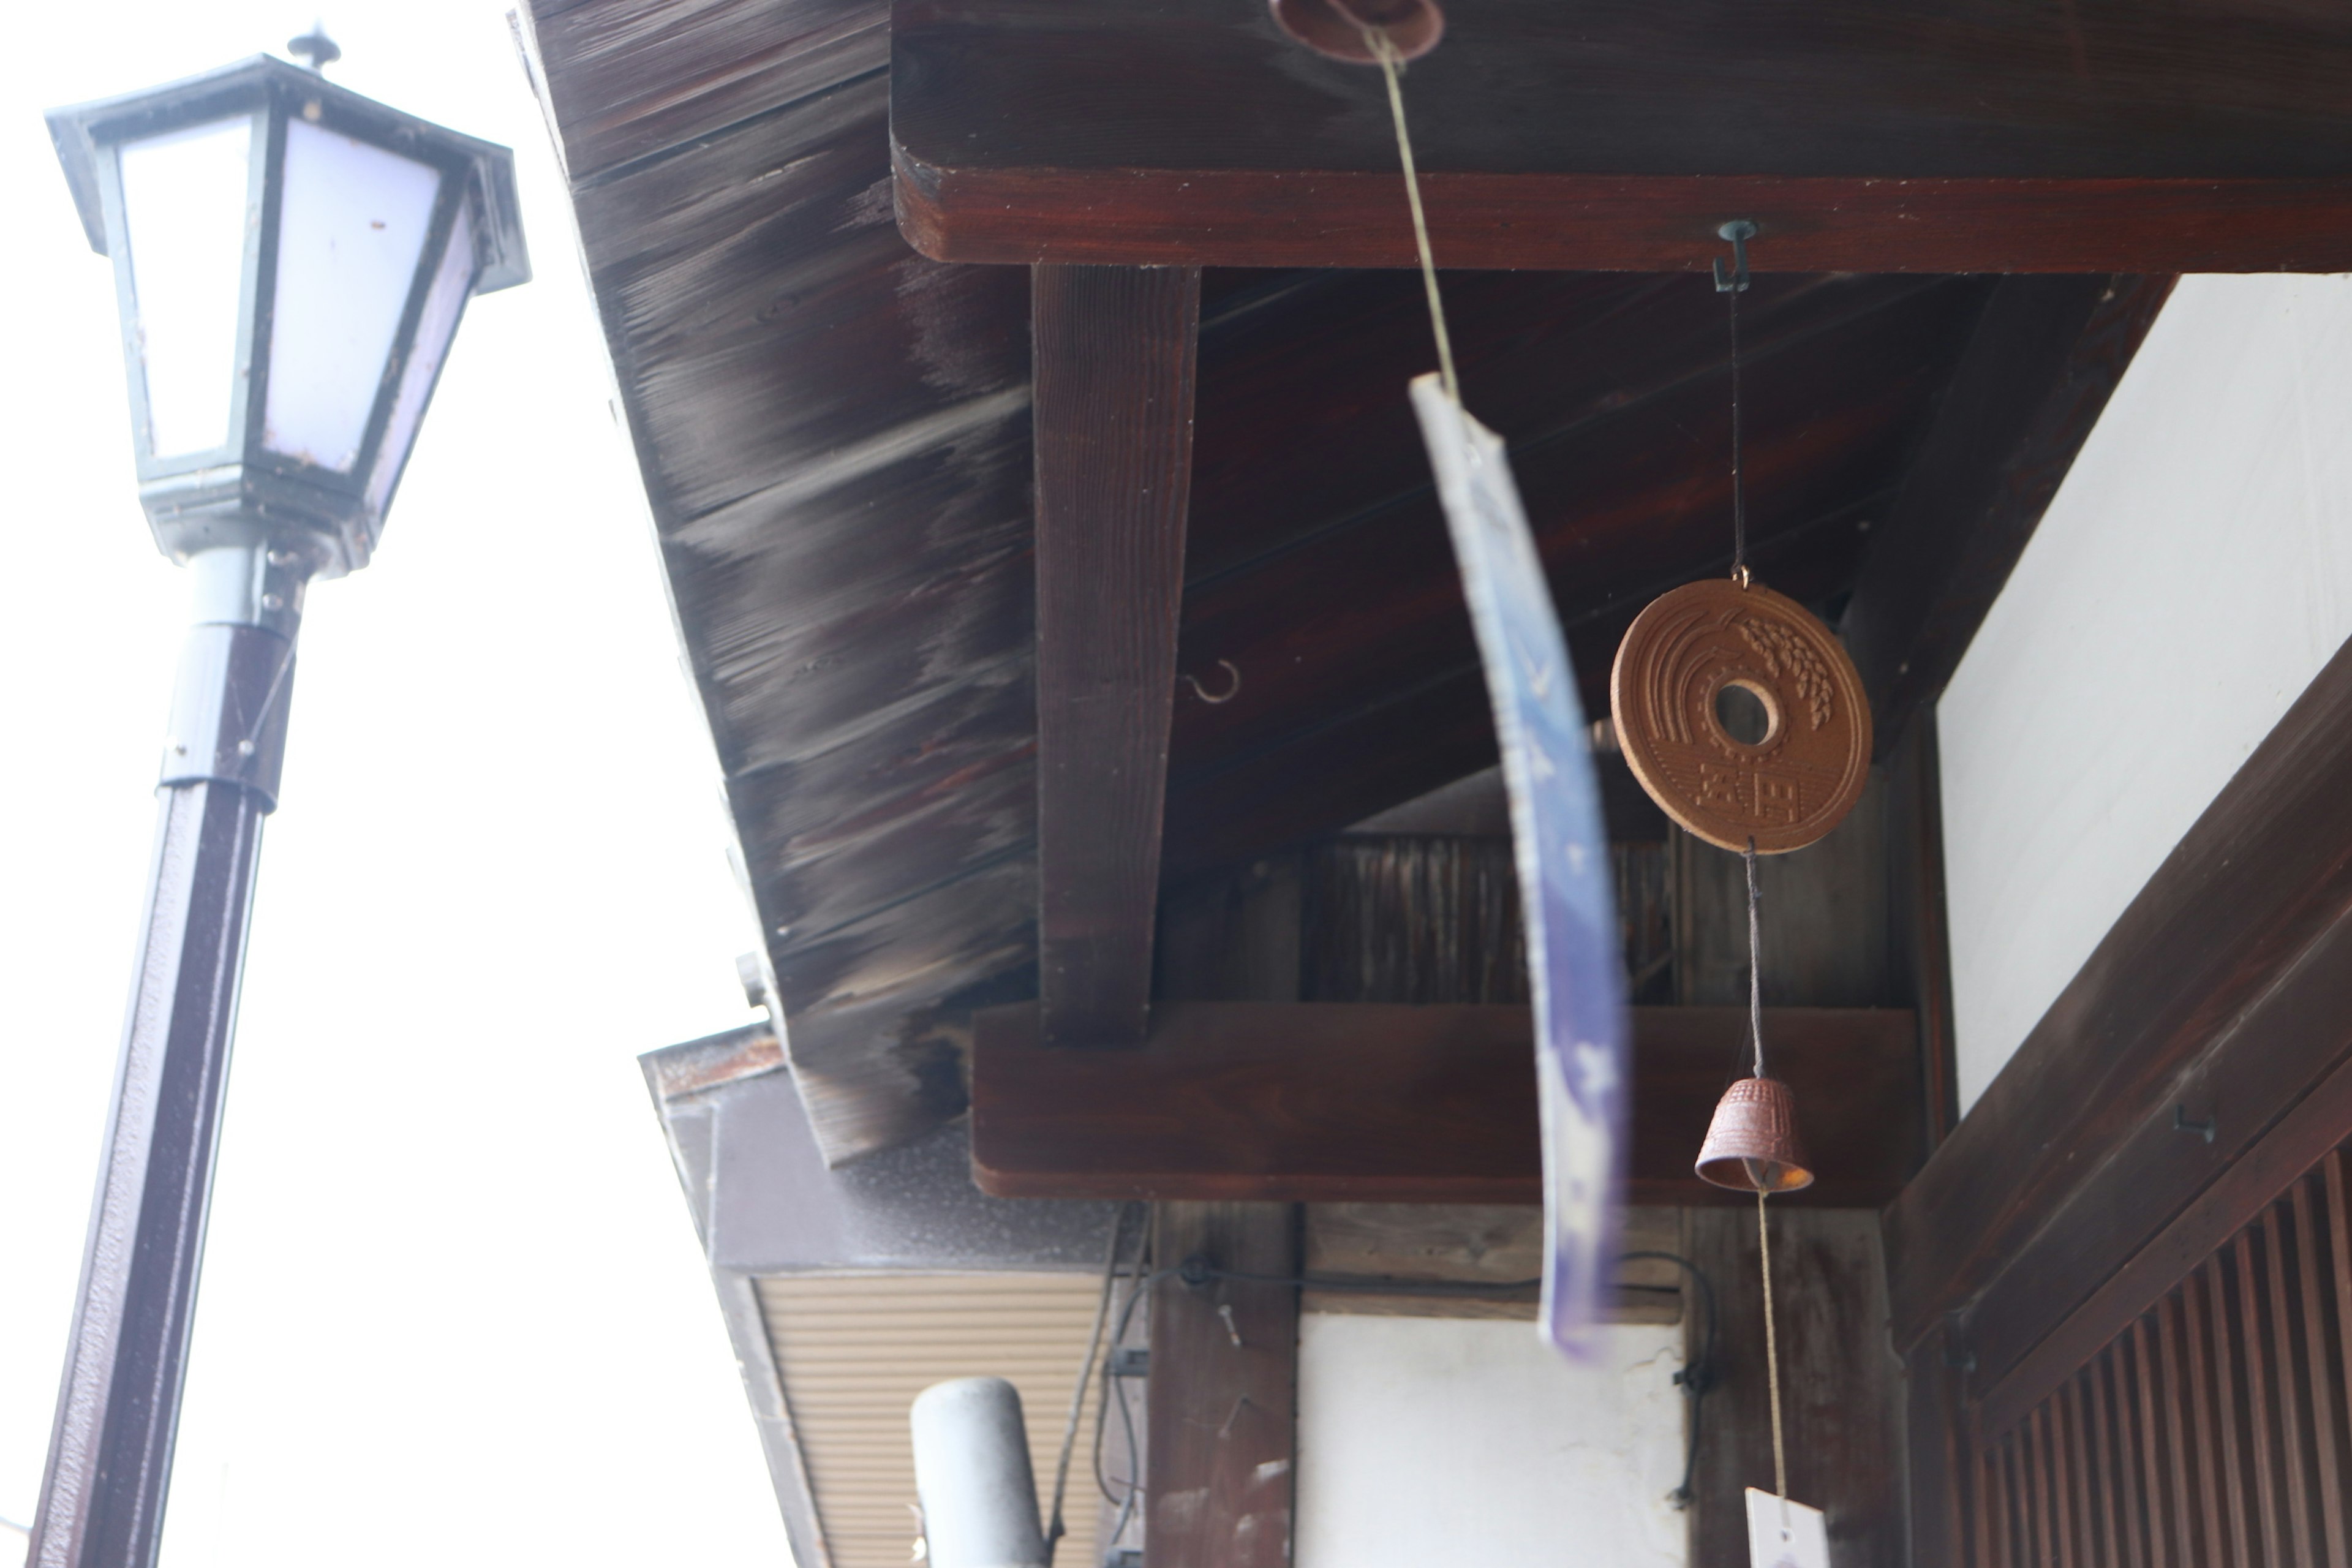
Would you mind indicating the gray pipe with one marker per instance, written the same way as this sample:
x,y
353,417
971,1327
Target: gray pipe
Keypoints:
x,y
971,1474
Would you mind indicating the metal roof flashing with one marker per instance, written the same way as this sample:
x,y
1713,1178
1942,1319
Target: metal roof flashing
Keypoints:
x,y
765,1202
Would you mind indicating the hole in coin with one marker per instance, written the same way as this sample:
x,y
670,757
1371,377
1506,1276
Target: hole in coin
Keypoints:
x,y
1745,712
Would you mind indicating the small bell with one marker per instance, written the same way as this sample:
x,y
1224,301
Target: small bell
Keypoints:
x,y
1336,27
1752,1145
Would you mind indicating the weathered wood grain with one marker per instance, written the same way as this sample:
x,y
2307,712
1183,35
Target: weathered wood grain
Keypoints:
x,y
1224,1419
2038,371
1394,1103
883,496
1116,349
633,79
1412,919
1488,1245
881,1006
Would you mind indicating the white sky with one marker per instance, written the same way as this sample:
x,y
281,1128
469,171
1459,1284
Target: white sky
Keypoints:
x,y
452,1310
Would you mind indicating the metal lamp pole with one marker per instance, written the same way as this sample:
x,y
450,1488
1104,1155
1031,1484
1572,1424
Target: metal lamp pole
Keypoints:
x,y
272,415
119,1405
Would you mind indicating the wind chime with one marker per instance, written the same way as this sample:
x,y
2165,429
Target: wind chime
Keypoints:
x,y
1736,708
1743,718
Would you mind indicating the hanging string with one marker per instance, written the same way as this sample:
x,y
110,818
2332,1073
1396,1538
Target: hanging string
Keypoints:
x,y
1731,288
1739,487
1755,967
1772,1358
1763,1228
1392,68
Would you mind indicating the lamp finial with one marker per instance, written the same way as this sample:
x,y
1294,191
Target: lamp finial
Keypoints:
x,y
316,50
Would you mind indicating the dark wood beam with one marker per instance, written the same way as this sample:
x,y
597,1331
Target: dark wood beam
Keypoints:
x,y
2221,986
1863,135
1223,1429
1388,1103
2044,357
1115,349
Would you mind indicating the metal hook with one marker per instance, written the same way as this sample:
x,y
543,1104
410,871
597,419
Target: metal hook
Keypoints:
x,y
1740,231
1228,693
2206,1129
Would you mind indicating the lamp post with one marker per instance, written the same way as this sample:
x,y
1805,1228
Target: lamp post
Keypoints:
x,y
290,263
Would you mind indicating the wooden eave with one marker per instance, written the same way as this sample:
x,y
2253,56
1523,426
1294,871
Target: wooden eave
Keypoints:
x,y
834,432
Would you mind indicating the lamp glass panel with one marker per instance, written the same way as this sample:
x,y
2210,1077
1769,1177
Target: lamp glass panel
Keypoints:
x,y
188,208
350,230
437,327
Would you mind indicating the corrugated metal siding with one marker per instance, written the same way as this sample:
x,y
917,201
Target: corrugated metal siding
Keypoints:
x,y
2216,1431
854,1350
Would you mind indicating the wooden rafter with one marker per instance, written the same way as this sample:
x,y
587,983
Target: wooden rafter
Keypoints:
x,y
1115,350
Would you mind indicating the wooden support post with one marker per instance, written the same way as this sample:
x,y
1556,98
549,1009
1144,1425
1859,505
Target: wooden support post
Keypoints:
x,y
1842,1388
1223,1428
2046,355
1939,1454
1113,386
1918,933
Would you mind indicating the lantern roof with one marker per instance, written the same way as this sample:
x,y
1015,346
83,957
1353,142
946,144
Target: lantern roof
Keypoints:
x,y
79,129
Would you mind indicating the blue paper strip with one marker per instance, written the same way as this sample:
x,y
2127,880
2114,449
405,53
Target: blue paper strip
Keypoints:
x,y
1574,957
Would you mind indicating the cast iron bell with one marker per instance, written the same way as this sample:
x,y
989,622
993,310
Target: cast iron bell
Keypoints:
x,y
1752,1145
1337,27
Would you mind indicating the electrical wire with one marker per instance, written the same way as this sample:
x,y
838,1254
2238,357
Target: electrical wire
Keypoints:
x,y
1695,1378
1055,1529
1115,1391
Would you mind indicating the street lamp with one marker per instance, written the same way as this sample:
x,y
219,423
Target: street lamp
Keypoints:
x,y
290,263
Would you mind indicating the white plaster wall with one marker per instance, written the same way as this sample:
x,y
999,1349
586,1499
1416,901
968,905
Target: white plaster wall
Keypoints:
x,y
1430,1441
2192,575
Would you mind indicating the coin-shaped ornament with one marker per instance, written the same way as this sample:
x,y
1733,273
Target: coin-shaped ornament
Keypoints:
x,y
1741,715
